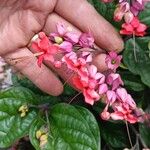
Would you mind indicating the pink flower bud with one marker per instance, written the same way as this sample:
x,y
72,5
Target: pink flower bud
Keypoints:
x,y
121,10
57,64
105,115
128,17
86,40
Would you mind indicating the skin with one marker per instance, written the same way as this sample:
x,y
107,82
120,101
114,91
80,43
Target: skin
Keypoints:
x,y
21,19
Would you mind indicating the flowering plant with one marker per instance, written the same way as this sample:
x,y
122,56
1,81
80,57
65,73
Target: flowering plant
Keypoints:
x,y
117,97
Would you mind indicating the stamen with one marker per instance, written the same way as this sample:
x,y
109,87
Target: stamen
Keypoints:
x,y
74,97
16,60
68,78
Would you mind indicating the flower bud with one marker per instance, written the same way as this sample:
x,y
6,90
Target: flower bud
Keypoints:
x,y
38,134
43,140
86,40
23,109
105,115
121,10
58,40
128,17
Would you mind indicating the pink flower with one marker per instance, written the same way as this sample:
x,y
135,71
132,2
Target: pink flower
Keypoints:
x,y
122,113
124,97
113,60
105,115
66,46
103,88
42,44
87,56
66,34
64,38
128,17
134,27
74,63
90,96
111,97
95,77
114,80
122,94
121,10
86,40
137,6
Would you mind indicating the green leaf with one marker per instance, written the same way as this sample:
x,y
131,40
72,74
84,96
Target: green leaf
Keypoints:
x,y
114,134
12,126
145,15
18,93
68,90
71,128
131,81
145,129
145,133
142,66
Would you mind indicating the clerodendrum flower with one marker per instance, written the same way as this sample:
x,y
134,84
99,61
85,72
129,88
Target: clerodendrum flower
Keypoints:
x,y
113,60
94,85
42,44
134,28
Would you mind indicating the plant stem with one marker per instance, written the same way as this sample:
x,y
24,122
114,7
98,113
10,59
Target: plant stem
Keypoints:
x,y
139,137
48,124
129,134
134,48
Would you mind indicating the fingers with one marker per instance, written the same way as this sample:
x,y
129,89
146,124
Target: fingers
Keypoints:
x,y
84,16
41,77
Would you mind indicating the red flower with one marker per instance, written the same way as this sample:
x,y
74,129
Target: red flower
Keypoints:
x,y
135,27
90,94
42,44
87,81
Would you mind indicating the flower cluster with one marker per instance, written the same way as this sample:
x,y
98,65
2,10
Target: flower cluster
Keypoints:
x,y
95,86
133,28
42,136
129,11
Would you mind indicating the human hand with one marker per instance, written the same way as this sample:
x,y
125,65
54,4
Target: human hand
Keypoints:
x,y
21,20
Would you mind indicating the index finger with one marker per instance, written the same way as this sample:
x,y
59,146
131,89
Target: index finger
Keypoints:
x,y
81,14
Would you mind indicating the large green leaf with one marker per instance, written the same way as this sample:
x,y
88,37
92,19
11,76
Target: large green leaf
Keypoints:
x,y
18,93
145,133
12,126
114,134
145,129
71,128
142,65
145,15
131,81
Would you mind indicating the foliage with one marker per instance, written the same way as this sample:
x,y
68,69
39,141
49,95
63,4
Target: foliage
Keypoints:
x,y
53,124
